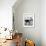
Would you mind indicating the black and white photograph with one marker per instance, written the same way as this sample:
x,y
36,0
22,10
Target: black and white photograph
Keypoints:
x,y
28,20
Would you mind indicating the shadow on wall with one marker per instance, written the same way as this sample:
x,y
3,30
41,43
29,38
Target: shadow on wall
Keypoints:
x,y
12,44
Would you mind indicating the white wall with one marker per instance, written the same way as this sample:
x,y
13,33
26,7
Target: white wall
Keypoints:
x,y
28,6
43,22
38,33
6,13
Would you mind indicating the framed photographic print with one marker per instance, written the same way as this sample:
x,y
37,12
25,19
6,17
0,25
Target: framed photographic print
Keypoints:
x,y
28,20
